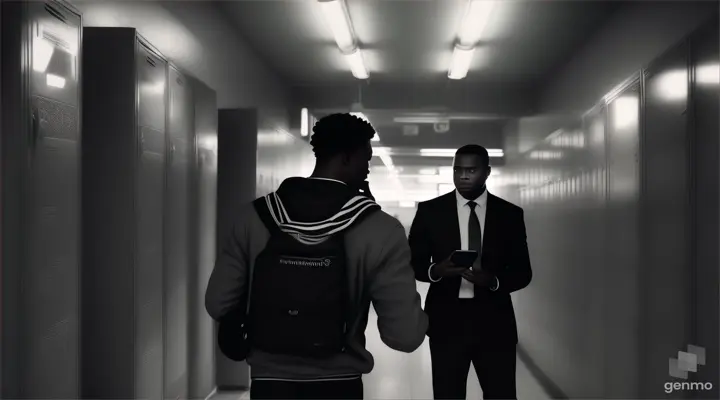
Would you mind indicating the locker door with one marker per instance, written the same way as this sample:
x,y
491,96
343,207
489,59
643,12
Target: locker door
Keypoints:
x,y
151,72
623,190
706,102
666,216
202,332
177,240
51,276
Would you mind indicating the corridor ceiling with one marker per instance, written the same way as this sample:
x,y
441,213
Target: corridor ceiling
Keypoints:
x,y
407,47
411,40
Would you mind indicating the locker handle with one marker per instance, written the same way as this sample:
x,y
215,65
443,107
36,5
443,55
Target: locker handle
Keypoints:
x,y
34,129
141,143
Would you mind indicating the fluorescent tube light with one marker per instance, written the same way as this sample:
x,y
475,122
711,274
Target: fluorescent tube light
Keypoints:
x,y
304,122
339,23
357,64
421,120
451,152
461,60
474,22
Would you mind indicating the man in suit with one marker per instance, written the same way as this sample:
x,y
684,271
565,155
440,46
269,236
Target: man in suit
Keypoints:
x,y
471,315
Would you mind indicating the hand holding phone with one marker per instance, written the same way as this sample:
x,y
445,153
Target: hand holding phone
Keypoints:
x,y
455,265
464,258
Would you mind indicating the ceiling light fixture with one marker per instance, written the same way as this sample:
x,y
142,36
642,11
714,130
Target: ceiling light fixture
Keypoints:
x,y
422,119
461,60
357,64
340,25
471,29
451,152
304,122
474,22
413,152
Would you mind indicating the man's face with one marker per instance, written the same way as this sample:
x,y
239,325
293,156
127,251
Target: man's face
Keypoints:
x,y
469,173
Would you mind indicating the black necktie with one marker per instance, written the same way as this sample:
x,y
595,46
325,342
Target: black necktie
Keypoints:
x,y
474,231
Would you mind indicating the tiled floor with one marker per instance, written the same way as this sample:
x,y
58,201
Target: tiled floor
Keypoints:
x,y
408,376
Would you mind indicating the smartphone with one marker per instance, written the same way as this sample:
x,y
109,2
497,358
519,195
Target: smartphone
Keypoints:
x,y
464,258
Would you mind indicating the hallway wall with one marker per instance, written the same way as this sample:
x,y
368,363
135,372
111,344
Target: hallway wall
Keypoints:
x,y
199,40
634,36
614,204
280,155
217,56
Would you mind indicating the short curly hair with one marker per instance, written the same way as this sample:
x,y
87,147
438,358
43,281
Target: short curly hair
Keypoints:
x,y
476,150
340,133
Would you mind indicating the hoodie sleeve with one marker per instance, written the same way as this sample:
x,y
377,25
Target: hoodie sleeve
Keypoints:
x,y
401,320
228,281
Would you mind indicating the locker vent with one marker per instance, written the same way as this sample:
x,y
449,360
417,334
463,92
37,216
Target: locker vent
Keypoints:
x,y
150,61
55,13
55,40
58,120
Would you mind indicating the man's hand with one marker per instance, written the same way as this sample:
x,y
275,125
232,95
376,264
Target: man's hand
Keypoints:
x,y
446,269
479,277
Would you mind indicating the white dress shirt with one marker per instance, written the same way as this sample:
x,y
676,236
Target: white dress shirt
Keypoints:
x,y
467,289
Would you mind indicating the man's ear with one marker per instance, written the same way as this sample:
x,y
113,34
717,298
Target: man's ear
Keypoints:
x,y
489,170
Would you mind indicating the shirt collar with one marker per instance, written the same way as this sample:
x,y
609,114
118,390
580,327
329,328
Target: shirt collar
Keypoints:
x,y
327,179
481,200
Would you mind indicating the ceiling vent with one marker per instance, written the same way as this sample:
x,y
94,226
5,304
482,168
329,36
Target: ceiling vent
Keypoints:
x,y
411,130
441,127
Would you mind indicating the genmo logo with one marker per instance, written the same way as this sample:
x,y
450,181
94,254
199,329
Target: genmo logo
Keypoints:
x,y
687,361
683,386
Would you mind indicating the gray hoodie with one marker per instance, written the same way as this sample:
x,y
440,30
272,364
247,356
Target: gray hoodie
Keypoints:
x,y
379,271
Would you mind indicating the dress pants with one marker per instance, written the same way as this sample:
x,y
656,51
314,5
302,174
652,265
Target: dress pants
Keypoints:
x,y
452,354
350,389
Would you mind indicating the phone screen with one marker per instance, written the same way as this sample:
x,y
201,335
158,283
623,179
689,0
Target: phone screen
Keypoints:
x,y
464,258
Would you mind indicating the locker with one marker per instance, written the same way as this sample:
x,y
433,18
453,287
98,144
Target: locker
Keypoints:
x,y
666,216
705,92
201,369
124,158
237,166
178,243
40,199
622,140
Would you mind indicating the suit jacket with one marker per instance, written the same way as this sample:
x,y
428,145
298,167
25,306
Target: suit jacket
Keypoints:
x,y
435,234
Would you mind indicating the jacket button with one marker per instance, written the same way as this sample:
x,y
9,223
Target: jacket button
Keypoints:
x,y
293,312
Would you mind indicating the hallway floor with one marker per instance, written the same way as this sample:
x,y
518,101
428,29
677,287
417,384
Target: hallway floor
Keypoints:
x,y
408,376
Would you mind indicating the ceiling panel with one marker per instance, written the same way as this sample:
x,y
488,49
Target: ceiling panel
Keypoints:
x,y
408,40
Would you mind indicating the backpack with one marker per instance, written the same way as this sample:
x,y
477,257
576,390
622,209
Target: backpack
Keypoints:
x,y
298,290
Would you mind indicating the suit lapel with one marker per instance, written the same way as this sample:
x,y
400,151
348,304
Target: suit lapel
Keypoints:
x,y
453,238
490,229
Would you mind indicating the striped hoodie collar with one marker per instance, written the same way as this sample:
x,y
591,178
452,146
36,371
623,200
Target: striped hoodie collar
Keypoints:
x,y
318,232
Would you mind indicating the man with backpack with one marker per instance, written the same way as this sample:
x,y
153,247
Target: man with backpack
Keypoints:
x,y
293,285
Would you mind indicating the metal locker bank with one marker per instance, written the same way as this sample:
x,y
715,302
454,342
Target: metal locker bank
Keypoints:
x,y
41,129
124,161
178,240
